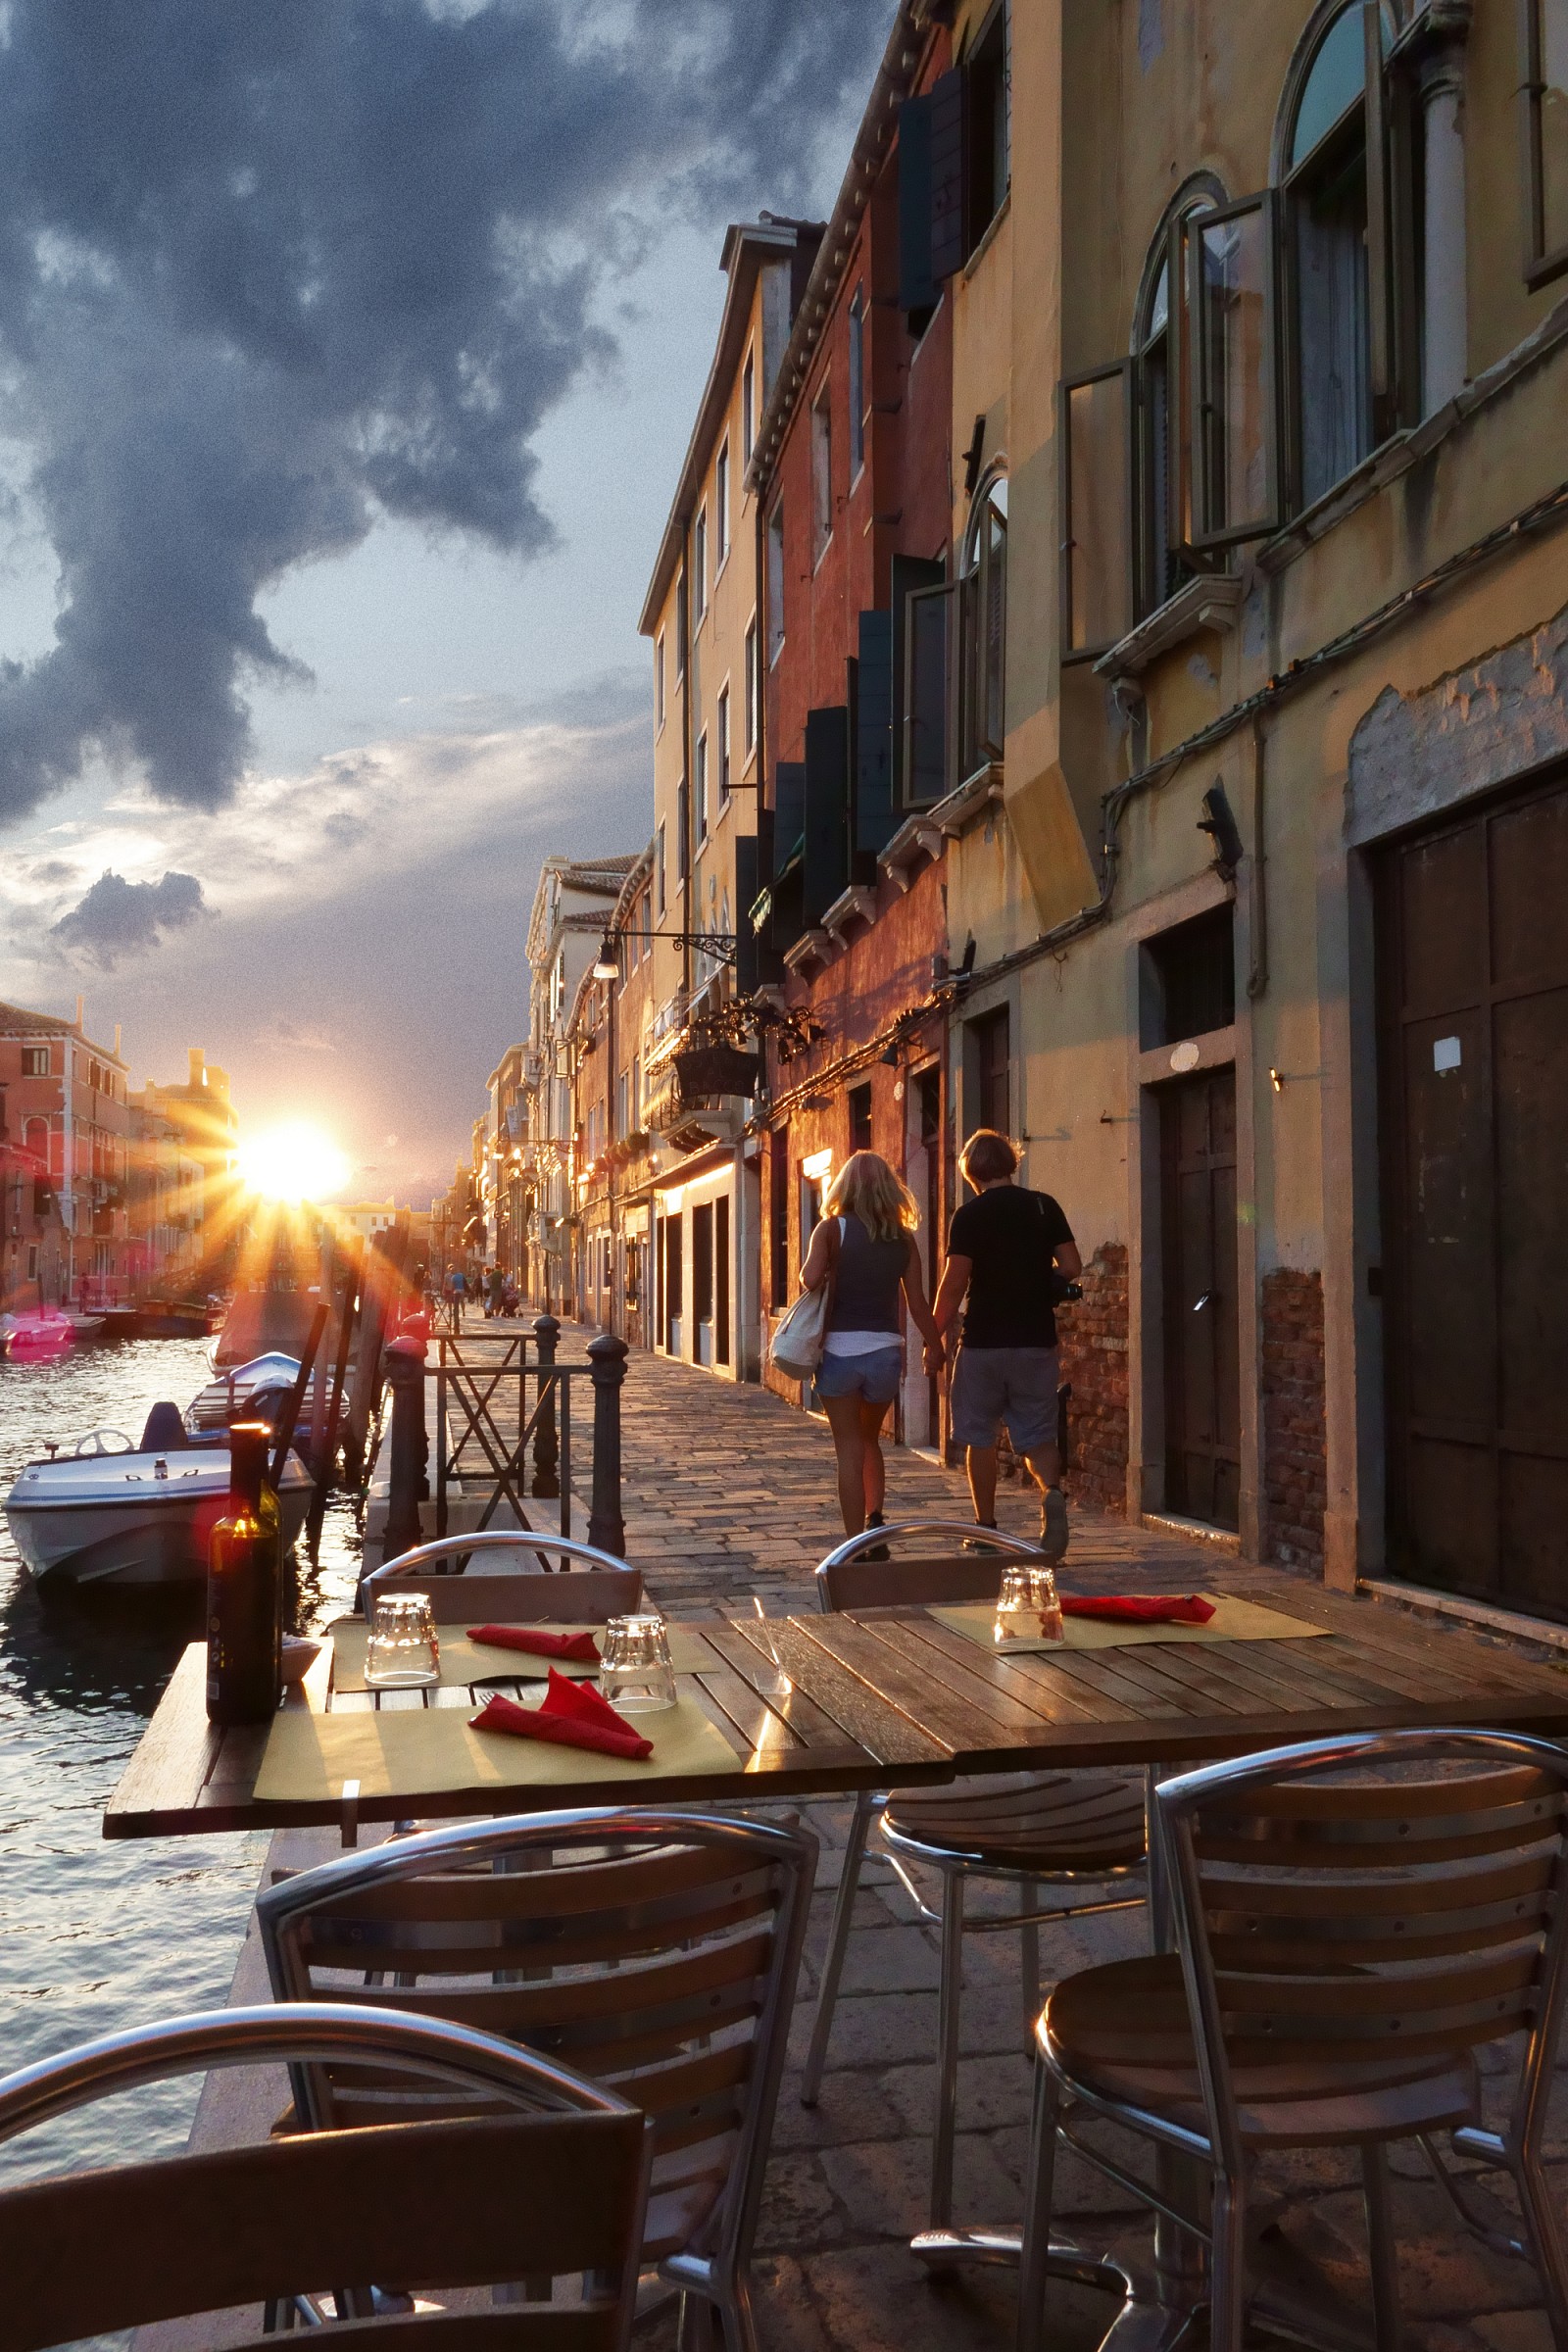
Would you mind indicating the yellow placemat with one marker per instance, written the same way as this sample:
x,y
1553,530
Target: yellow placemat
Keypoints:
x,y
464,1662
1233,1621
430,1752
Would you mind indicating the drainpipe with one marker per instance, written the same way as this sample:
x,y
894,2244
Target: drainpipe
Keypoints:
x,y
1440,80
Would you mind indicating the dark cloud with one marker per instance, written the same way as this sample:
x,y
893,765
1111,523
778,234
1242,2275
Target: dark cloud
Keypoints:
x,y
265,272
120,918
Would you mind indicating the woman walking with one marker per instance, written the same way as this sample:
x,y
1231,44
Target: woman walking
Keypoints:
x,y
865,1245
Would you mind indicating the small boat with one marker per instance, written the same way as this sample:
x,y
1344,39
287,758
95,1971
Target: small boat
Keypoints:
x,y
40,1337
253,1391
172,1320
115,1512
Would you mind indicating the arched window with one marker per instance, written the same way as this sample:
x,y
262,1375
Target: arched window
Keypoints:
x,y
1162,407
1325,184
984,639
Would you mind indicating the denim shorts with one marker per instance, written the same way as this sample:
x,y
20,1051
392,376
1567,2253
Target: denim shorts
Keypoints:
x,y
1015,1385
875,1375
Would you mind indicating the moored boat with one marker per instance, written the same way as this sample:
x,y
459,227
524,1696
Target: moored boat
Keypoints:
x,y
41,1336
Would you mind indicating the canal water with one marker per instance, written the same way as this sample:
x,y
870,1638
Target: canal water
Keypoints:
x,y
96,1937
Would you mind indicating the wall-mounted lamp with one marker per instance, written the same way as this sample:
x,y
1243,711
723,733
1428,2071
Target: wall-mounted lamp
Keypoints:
x,y
1219,825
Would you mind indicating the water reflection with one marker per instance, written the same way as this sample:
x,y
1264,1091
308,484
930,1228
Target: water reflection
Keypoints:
x,y
102,1935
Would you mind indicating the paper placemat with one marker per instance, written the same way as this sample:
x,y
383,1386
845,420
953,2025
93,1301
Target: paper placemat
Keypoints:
x,y
1233,1621
464,1662
430,1752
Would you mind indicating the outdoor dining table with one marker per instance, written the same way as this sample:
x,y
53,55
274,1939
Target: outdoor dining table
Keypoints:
x,y
884,1698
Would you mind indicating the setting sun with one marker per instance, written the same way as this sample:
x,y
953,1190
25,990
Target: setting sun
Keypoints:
x,y
296,1162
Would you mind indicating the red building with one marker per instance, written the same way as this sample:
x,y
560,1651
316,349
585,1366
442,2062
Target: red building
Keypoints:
x,y
63,1125
854,467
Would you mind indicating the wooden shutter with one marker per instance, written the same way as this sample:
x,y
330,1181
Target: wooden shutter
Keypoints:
x,y
875,819
909,572
1379,254
1232,315
917,291
826,862
1095,431
928,697
950,174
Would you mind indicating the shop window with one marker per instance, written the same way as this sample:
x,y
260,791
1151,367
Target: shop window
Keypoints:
x,y
703,1263
860,1102
1544,79
1188,979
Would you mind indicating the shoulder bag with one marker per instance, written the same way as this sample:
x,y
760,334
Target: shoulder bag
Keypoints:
x,y
796,1346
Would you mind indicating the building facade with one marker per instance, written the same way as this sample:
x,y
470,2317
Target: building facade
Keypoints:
x,y
201,1116
65,1111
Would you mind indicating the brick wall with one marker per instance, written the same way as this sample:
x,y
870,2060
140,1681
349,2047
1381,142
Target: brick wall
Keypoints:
x,y
1295,1481
1092,1339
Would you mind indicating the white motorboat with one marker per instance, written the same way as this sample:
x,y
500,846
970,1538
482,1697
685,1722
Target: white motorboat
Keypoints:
x,y
253,1391
112,1513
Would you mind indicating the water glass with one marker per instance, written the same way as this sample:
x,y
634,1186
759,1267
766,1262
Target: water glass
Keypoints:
x,y
776,1685
1017,1612
403,1652
1048,1605
636,1674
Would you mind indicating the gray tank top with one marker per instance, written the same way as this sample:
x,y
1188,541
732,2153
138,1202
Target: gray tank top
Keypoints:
x,y
866,1290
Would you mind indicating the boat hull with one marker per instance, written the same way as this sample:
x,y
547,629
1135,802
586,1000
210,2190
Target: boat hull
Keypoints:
x,y
141,1531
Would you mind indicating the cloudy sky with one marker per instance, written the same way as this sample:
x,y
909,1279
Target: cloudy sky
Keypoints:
x,y
348,351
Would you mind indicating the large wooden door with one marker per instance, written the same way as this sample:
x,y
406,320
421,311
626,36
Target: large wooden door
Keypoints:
x,y
1198,1220
1473,987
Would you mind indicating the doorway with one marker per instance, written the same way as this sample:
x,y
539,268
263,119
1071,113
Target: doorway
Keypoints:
x,y
702,1282
1473,1078
1198,1236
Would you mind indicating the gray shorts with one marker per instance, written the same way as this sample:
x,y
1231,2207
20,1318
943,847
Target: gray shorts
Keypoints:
x,y
1012,1385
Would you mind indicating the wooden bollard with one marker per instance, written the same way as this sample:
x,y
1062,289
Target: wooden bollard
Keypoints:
x,y
546,1440
411,1447
606,1527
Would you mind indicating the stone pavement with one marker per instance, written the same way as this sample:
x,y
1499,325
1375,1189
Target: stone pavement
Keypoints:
x,y
729,1491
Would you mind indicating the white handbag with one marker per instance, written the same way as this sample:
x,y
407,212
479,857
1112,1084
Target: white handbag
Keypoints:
x,y
796,1346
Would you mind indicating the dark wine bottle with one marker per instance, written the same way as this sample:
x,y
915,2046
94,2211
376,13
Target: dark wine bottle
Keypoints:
x,y
245,1588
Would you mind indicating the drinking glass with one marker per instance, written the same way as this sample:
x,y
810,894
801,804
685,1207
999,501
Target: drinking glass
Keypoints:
x,y
403,1652
636,1674
1017,1612
1048,1605
776,1685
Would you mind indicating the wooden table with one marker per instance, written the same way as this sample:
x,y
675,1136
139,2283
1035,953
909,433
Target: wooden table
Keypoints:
x,y
894,1699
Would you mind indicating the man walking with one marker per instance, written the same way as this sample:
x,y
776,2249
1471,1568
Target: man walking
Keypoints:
x,y
1004,1248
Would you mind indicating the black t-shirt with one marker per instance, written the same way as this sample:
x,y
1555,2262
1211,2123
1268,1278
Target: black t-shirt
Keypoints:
x,y
1009,1237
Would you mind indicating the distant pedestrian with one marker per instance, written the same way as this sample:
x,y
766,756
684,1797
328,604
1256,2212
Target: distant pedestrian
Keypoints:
x,y
498,1289
865,1246
1005,1249
510,1297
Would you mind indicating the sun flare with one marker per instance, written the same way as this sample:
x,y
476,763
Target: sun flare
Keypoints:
x,y
294,1163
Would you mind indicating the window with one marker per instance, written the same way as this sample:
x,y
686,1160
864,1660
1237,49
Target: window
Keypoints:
x,y
659,680
702,786
723,747
36,1062
681,625
1096,549
924,767
859,1100
658,867
1326,241
985,629
1188,979
750,688
700,564
721,508
856,382
748,409
987,74
775,583
683,827
1545,79
990,1049
1162,520
1231,300
821,475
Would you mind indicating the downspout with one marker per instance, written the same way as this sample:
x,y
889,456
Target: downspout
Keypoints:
x,y
1257,881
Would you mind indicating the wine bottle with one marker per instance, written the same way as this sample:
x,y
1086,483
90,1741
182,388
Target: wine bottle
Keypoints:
x,y
245,1588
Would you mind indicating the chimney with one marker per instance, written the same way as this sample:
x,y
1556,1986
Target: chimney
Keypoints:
x,y
198,1066
117,1041
81,1013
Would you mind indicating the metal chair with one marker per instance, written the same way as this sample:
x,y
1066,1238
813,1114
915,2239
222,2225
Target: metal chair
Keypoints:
x,y
546,2178
1352,1931
656,1951
598,1585
1055,1828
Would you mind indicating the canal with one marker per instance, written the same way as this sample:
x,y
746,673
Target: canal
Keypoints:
x,y
96,1937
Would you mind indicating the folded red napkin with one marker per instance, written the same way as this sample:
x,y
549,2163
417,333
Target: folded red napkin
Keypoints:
x,y
1141,1608
570,1715
578,1647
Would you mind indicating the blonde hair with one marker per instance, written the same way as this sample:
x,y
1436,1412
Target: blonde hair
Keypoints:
x,y
865,1187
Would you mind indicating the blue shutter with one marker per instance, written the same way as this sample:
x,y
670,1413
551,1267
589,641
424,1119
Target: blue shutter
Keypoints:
x,y
950,246
917,291
875,820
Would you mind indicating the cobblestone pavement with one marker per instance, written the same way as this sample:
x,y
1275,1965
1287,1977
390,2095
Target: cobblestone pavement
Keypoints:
x,y
728,1492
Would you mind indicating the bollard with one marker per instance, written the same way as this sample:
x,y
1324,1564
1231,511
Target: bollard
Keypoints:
x,y
546,1442
607,1529
411,1447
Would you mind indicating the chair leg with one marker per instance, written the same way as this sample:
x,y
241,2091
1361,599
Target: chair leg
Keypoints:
x,y
1038,2189
1228,2279
1382,2247
948,2005
1029,1958
736,2324
837,1945
1547,2243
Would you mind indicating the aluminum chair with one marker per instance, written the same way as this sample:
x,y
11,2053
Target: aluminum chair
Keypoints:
x,y
1352,1929
1055,1828
656,1951
588,1588
545,2179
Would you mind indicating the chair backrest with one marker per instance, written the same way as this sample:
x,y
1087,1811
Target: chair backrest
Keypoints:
x,y
1340,1904
847,1580
547,2177
509,1555
656,1953
588,1597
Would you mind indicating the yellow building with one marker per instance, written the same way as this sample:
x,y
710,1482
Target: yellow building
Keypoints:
x,y
1267,349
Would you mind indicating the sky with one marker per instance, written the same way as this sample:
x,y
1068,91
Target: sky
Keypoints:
x,y
347,355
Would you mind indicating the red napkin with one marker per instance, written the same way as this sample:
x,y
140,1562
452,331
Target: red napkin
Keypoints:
x,y
1141,1608
578,1647
570,1715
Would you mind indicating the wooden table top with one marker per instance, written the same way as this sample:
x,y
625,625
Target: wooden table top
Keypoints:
x,y
894,1699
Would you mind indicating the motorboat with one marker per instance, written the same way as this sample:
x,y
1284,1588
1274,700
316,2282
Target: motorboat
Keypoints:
x,y
40,1336
251,1392
118,1512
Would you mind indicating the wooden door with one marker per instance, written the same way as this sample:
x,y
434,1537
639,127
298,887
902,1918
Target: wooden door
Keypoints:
x,y
1198,1219
1473,1072
722,1279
